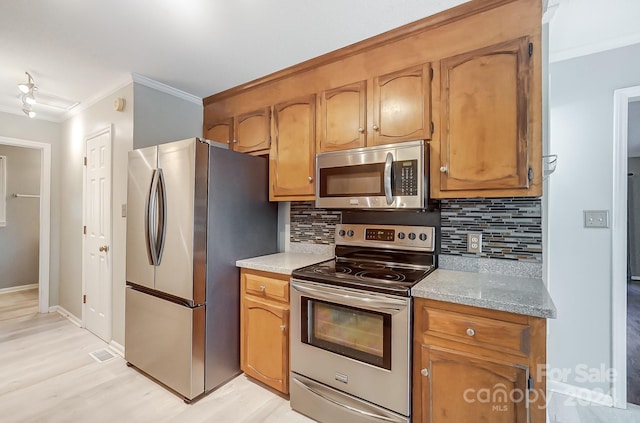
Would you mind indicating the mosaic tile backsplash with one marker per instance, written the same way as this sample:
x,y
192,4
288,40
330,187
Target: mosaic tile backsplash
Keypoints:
x,y
511,227
311,225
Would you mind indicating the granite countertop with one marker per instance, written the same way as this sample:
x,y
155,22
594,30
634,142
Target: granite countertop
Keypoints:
x,y
283,263
521,295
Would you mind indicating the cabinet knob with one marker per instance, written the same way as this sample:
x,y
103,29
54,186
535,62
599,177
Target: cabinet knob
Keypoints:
x,y
310,179
375,127
361,130
262,288
444,169
471,332
235,141
283,327
424,372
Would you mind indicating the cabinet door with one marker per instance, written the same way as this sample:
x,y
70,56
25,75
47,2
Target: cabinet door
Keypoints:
x,y
485,119
253,131
401,106
221,131
265,342
460,387
291,162
342,117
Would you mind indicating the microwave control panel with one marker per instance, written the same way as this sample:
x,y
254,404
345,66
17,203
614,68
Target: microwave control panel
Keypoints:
x,y
405,177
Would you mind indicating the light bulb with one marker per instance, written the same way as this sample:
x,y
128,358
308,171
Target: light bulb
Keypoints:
x,y
25,88
31,114
30,99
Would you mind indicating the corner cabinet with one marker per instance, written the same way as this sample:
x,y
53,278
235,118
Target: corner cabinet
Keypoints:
x,y
398,109
292,158
264,328
473,364
487,114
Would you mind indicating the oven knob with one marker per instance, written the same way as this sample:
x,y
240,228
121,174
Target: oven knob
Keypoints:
x,y
349,232
423,237
412,236
400,235
341,232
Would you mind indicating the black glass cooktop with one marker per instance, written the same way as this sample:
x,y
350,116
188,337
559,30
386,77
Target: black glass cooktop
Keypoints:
x,y
364,269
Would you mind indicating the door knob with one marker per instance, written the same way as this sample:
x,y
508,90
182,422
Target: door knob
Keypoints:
x,y
103,248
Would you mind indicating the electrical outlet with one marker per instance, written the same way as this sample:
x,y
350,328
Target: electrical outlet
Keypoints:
x,y
596,219
474,242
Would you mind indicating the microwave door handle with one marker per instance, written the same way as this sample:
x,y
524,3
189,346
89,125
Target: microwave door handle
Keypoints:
x,y
387,178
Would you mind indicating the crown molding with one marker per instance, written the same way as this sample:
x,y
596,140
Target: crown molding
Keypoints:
x,y
585,50
159,86
84,105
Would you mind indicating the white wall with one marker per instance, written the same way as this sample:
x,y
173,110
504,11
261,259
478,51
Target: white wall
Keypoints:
x,y
74,132
581,27
579,278
21,127
19,239
161,117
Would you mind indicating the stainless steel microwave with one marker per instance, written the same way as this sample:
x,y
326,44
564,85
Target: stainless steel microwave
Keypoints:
x,y
392,176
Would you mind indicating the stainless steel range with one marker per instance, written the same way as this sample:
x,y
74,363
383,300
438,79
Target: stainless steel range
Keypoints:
x,y
351,324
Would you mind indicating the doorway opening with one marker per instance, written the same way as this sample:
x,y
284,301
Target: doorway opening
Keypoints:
x,y
44,215
626,306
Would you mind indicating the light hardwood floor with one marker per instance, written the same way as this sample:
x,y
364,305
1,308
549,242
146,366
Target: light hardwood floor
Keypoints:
x,y
47,375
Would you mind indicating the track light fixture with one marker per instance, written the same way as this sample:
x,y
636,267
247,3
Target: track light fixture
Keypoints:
x,y
28,96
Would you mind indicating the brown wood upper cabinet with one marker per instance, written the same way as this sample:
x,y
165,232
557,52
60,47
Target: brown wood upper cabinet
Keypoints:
x,y
401,106
399,109
220,131
253,131
342,117
292,157
246,133
485,121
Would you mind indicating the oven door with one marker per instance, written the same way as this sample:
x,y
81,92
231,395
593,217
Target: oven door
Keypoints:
x,y
355,341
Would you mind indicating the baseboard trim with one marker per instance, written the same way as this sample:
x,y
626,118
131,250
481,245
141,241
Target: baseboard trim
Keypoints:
x,y
582,394
117,348
65,313
18,288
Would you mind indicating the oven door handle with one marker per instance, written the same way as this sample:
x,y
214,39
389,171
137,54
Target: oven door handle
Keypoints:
x,y
327,397
375,304
388,193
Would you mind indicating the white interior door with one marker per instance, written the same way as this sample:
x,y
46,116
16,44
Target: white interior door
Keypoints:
x,y
97,245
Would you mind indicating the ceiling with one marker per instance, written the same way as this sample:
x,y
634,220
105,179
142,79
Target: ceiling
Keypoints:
x,y
82,50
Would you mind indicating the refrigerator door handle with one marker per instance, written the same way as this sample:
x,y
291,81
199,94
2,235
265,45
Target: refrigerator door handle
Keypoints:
x,y
162,215
150,221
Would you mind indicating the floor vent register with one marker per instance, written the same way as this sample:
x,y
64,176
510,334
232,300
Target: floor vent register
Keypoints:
x,y
102,355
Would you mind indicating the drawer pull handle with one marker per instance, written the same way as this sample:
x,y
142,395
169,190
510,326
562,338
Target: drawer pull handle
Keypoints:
x,y
471,332
424,372
262,288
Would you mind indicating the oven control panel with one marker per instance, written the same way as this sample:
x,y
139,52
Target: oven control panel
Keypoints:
x,y
416,238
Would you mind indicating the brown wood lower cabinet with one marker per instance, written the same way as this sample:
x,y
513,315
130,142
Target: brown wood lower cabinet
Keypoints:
x,y
264,328
463,372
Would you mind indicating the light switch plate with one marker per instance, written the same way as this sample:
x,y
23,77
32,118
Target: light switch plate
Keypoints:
x,y
596,218
474,242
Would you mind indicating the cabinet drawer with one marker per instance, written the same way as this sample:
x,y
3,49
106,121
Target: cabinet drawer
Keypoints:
x,y
265,287
475,330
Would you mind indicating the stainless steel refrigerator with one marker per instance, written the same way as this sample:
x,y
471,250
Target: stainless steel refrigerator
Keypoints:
x,y
192,211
